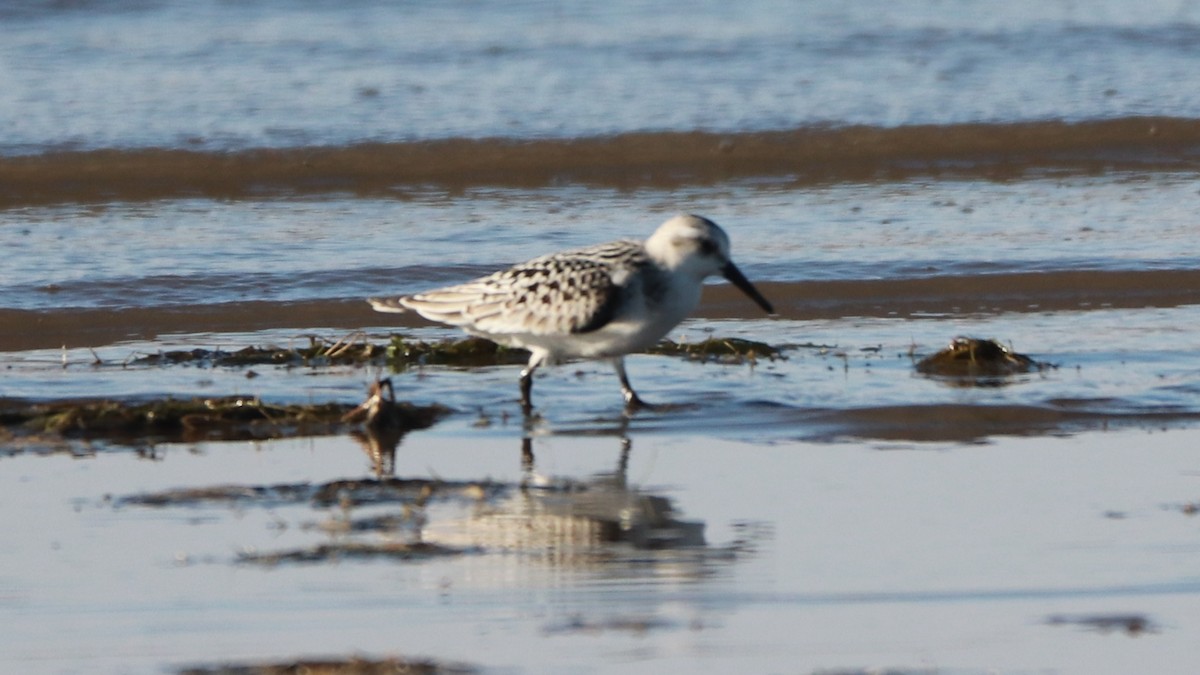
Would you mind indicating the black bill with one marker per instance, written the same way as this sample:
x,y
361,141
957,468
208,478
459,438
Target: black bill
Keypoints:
x,y
735,277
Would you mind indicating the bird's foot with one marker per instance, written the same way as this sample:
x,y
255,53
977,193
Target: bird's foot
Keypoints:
x,y
634,403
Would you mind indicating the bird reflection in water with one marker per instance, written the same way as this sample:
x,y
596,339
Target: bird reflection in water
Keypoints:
x,y
553,513
563,513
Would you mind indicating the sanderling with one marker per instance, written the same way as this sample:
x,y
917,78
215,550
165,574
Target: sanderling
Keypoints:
x,y
600,302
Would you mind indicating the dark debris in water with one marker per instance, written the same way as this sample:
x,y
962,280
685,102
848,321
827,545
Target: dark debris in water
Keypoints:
x,y
721,350
357,492
1130,624
353,550
636,625
227,494
350,350
401,353
192,419
977,361
350,492
334,666
473,351
387,523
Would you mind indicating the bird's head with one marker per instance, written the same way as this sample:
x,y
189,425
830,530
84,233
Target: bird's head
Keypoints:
x,y
698,247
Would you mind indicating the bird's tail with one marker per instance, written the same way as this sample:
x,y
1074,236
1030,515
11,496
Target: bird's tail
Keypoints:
x,y
389,305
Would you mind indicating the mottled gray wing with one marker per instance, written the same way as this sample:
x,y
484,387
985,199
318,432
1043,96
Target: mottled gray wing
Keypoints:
x,y
571,292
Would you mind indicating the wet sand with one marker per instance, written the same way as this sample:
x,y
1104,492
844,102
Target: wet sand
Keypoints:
x,y
1052,291
807,156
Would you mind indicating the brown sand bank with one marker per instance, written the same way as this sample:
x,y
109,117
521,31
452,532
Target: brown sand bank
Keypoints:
x,y
655,159
802,300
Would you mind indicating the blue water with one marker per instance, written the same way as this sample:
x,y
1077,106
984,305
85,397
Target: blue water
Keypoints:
x,y
202,252
227,75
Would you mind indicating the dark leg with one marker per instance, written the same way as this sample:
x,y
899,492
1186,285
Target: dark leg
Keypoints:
x,y
526,390
527,383
632,400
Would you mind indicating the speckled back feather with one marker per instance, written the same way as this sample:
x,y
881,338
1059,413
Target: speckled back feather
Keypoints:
x,y
562,293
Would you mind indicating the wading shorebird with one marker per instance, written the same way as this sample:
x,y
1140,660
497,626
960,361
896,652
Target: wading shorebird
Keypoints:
x,y
599,302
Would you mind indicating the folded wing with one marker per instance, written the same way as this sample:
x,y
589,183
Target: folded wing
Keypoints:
x,y
563,293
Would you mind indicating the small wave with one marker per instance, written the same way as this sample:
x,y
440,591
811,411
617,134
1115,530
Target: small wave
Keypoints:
x,y
808,155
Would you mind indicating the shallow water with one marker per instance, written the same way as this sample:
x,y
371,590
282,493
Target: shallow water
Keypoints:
x,y
972,529
816,556
214,176
200,252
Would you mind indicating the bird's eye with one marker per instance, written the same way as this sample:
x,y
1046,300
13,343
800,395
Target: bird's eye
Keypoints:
x,y
708,247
